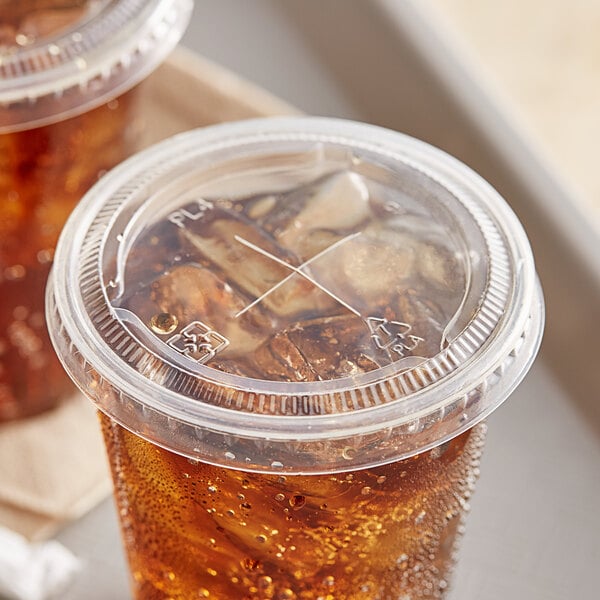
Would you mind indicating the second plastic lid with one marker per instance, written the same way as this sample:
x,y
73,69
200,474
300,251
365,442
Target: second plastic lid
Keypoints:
x,y
60,58
264,277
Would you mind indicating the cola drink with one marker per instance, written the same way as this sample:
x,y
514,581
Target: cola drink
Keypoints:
x,y
44,173
293,329
62,126
192,529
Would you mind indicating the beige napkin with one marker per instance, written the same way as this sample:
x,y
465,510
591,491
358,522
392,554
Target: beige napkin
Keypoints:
x,y
52,469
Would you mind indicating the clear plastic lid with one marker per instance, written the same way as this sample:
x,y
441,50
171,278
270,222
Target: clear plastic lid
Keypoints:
x,y
297,295
62,57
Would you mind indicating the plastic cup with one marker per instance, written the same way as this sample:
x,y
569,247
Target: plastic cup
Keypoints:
x,y
293,329
69,111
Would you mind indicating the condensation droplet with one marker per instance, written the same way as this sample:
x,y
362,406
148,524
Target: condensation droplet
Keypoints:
x,y
45,256
366,490
279,497
261,538
277,465
164,323
229,455
348,453
251,564
20,313
297,501
15,272
212,489
381,479
22,39
53,49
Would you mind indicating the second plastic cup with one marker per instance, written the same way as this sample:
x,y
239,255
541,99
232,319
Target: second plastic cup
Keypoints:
x,y
69,111
293,329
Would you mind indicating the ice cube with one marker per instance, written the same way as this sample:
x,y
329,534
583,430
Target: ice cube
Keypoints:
x,y
317,349
367,270
251,261
193,294
339,203
440,268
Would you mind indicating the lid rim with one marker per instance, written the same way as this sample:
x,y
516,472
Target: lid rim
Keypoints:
x,y
128,48
224,428
431,398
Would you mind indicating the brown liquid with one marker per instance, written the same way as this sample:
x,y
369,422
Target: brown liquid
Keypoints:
x,y
43,173
23,22
193,530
